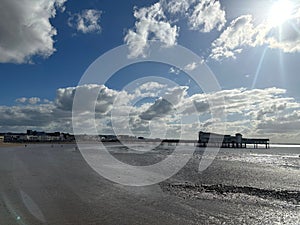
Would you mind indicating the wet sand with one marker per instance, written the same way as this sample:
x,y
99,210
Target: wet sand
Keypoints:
x,y
44,185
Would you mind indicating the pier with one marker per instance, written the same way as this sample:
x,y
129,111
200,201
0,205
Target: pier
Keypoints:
x,y
228,141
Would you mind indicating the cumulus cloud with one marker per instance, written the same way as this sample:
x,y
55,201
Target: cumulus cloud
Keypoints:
x,y
104,101
149,89
190,67
21,100
166,104
26,30
267,112
150,86
32,101
174,70
177,6
155,22
286,38
160,108
151,24
202,15
289,123
243,32
238,34
206,16
29,115
87,21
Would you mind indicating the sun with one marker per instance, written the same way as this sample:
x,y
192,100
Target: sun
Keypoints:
x,y
280,12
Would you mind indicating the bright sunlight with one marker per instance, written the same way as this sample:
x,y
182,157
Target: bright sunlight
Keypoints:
x,y
280,12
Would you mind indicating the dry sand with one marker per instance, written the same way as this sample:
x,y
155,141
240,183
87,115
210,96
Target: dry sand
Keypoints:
x,y
2,144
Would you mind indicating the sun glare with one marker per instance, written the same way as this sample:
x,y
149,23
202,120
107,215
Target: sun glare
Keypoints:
x,y
280,12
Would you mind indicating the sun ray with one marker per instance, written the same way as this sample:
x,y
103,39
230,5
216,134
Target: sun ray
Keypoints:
x,y
259,67
282,69
295,28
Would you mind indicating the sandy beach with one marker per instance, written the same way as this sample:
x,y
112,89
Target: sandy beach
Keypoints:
x,y
41,184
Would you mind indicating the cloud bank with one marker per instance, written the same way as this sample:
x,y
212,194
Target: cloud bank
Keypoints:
x,y
268,112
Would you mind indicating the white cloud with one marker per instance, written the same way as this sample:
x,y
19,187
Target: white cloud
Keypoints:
x,y
243,32
149,89
289,39
26,30
21,100
202,15
177,6
190,67
28,115
289,123
238,34
151,86
248,111
32,101
151,24
105,100
165,104
256,112
207,15
160,108
174,70
87,21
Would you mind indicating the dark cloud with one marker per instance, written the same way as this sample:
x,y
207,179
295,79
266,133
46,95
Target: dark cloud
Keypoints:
x,y
160,108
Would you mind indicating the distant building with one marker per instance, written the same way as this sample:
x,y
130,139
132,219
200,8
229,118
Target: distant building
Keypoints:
x,y
37,136
13,137
227,141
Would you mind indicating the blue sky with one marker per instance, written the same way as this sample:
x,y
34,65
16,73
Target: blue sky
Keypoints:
x,y
252,48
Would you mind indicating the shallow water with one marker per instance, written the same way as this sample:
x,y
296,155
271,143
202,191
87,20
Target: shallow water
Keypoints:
x,y
41,184
279,156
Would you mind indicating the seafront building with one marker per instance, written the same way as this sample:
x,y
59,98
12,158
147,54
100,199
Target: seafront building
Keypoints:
x,y
227,141
36,136
41,136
